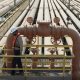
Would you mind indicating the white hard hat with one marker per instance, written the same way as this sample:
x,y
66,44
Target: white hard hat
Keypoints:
x,y
14,29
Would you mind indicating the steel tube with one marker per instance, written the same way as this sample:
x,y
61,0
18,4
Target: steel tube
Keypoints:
x,y
8,6
75,20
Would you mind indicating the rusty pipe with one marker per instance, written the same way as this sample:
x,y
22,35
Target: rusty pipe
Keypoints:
x,y
57,33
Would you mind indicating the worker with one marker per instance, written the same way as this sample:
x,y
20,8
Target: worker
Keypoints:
x,y
17,44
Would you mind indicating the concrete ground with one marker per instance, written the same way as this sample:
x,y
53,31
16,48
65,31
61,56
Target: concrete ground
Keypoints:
x,y
37,76
33,78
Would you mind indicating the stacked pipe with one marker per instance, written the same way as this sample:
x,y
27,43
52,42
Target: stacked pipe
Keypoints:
x,y
72,16
17,22
40,13
46,12
31,13
8,6
51,12
34,9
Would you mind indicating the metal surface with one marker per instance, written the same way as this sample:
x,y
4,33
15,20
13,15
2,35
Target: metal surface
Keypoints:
x,y
57,33
8,6
75,20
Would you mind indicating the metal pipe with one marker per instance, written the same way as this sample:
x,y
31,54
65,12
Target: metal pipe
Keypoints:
x,y
31,13
61,32
4,2
64,16
40,13
17,22
46,12
8,7
72,16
